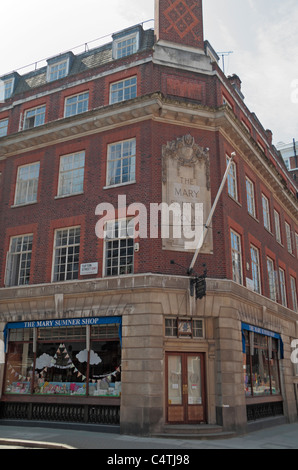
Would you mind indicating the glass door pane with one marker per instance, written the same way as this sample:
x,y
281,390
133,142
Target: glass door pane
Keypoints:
x,y
175,380
194,380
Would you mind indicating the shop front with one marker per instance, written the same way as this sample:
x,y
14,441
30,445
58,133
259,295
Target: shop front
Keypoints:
x,y
262,352
66,369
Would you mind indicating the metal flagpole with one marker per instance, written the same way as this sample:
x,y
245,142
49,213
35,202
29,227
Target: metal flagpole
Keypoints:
x,y
207,224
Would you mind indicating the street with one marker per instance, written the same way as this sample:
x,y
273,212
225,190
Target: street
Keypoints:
x,y
280,437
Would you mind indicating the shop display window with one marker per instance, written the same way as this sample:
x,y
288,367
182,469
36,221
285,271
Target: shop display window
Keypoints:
x,y
261,365
71,361
60,368
19,368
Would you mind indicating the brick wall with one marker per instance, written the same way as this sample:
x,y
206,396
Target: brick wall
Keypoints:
x,y
49,212
180,21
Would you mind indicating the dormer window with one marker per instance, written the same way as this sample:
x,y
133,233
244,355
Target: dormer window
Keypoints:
x,y
126,42
8,85
58,71
59,67
8,88
126,46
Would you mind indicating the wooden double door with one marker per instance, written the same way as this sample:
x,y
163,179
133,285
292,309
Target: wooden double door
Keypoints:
x,y
186,396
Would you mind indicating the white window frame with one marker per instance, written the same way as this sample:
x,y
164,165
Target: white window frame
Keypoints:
x,y
75,105
283,290
30,122
123,90
250,197
69,250
6,88
272,279
119,170
255,268
232,180
18,261
4,125
277,226
236,252
266,212
121,48
289,238
28,186
62,69
118,248
294,293
71,174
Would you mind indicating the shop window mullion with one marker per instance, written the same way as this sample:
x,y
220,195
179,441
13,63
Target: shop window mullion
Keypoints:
x,y
34,346
250,362
269,366
88,346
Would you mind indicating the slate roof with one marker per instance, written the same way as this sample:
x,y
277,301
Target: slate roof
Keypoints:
x,y
80,63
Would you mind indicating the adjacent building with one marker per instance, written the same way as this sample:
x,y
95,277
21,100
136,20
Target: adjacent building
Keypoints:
x,y
101,319
289,153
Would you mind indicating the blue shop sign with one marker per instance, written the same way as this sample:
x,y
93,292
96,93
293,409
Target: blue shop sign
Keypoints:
x,y
63,323
262,331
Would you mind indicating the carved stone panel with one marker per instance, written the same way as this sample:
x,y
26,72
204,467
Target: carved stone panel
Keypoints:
x,y
186,182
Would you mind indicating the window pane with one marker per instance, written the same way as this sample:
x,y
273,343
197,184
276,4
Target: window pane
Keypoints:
x,y
57,71
19,370
260,372
250,197
294,294
61,368
76,104
105,375
71,175
124,90
255,266
34,117
174,380
282,283
27,184
171,327
198,329
121,162
119,250
232,180
66,254
3,127
194,380
19,261
275,382
126,47
272,280
266,213
236,258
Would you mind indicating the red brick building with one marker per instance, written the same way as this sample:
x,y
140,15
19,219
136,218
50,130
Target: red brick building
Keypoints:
x,y
106,328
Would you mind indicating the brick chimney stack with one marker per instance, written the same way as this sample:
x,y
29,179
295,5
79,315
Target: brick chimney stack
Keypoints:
x,y
180,22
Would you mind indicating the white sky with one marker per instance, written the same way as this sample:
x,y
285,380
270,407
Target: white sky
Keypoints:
x,y
262,34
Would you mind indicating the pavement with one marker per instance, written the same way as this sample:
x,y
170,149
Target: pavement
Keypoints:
x,y
39,436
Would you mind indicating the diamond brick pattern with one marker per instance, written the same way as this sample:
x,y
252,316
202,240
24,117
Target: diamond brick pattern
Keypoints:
x,y
180,22
182,18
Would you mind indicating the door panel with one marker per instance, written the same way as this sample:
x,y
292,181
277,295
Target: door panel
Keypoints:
x,y
175,380
195,410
